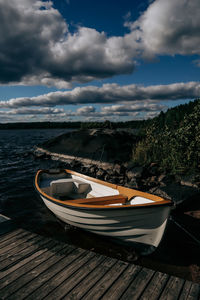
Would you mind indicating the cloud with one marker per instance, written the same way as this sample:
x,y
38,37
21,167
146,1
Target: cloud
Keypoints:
x,y
169,27
109,93
85,110
144,106
37,48
84,113
90,113
151,114
33,111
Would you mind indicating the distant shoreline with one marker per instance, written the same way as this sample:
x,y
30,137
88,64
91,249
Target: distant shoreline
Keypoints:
x,y
42,125
72,125
39,128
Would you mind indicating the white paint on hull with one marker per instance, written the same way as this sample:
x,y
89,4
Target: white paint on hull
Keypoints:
x,y
142,225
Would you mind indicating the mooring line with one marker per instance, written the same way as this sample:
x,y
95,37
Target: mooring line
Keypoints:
x,y
187,232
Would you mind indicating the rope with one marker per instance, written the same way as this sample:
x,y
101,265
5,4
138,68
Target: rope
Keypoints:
x,y
187,232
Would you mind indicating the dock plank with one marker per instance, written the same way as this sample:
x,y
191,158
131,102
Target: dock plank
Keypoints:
x,y
172,288
13,282
16,242
16,257
75,278
19,250
46,289
21,244
25,260
9,235
194,292
32,290
155,286
138,284
185,291
27,291
191,291
11,241
101,287
121,284
36,267
90,280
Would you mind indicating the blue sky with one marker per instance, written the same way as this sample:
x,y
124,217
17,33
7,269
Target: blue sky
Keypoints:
x,y
68,60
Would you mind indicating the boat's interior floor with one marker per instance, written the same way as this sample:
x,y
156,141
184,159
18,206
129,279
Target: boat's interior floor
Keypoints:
x,y
77,190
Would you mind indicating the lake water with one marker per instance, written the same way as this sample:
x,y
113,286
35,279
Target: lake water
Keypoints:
x,y
18,167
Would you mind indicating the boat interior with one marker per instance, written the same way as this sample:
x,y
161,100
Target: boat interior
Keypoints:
x,y
77,188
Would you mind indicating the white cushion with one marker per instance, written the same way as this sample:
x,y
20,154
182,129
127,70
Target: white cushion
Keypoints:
x,y
81,186
63,187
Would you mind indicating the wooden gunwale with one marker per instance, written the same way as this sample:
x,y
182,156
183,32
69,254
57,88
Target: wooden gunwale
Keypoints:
x,y
125,192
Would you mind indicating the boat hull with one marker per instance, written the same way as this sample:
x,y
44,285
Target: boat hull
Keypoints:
x,y
134,226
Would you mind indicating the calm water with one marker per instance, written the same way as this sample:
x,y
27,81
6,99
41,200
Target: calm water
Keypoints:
x,y
18,167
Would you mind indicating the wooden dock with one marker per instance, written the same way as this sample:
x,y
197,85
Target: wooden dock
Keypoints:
x,y
36,267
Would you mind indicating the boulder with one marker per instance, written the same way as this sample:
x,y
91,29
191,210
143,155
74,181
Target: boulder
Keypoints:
x,y
135,172
104,145
176,192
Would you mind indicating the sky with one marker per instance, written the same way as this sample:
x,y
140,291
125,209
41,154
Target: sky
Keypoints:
x,y
75,60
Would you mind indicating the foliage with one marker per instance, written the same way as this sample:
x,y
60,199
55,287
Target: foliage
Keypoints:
x,y
173,140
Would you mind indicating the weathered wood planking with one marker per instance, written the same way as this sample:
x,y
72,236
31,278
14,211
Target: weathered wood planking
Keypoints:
x,y
36,267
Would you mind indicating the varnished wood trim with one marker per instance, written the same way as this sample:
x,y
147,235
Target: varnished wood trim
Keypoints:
x,y
156,202
111,185
101,200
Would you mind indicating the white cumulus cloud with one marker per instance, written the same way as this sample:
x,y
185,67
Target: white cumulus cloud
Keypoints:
x,y
109,93
169,27
38,48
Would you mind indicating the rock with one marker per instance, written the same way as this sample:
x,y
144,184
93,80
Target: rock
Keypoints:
x,y
92,171
132,184
150,182
135,172
102,145
190,180
117,169
188,183
42,156
75,164
161,177
176,192
159,192
101,173
168,179
107,177
120,180
110,171
154,169
151,170
130,175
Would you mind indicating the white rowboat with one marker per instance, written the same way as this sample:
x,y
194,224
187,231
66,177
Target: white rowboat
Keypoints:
x,y
130,216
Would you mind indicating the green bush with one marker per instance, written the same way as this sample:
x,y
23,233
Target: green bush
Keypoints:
x,y
176,148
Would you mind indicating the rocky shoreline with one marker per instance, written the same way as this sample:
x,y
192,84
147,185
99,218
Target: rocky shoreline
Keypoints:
x,y
148,178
